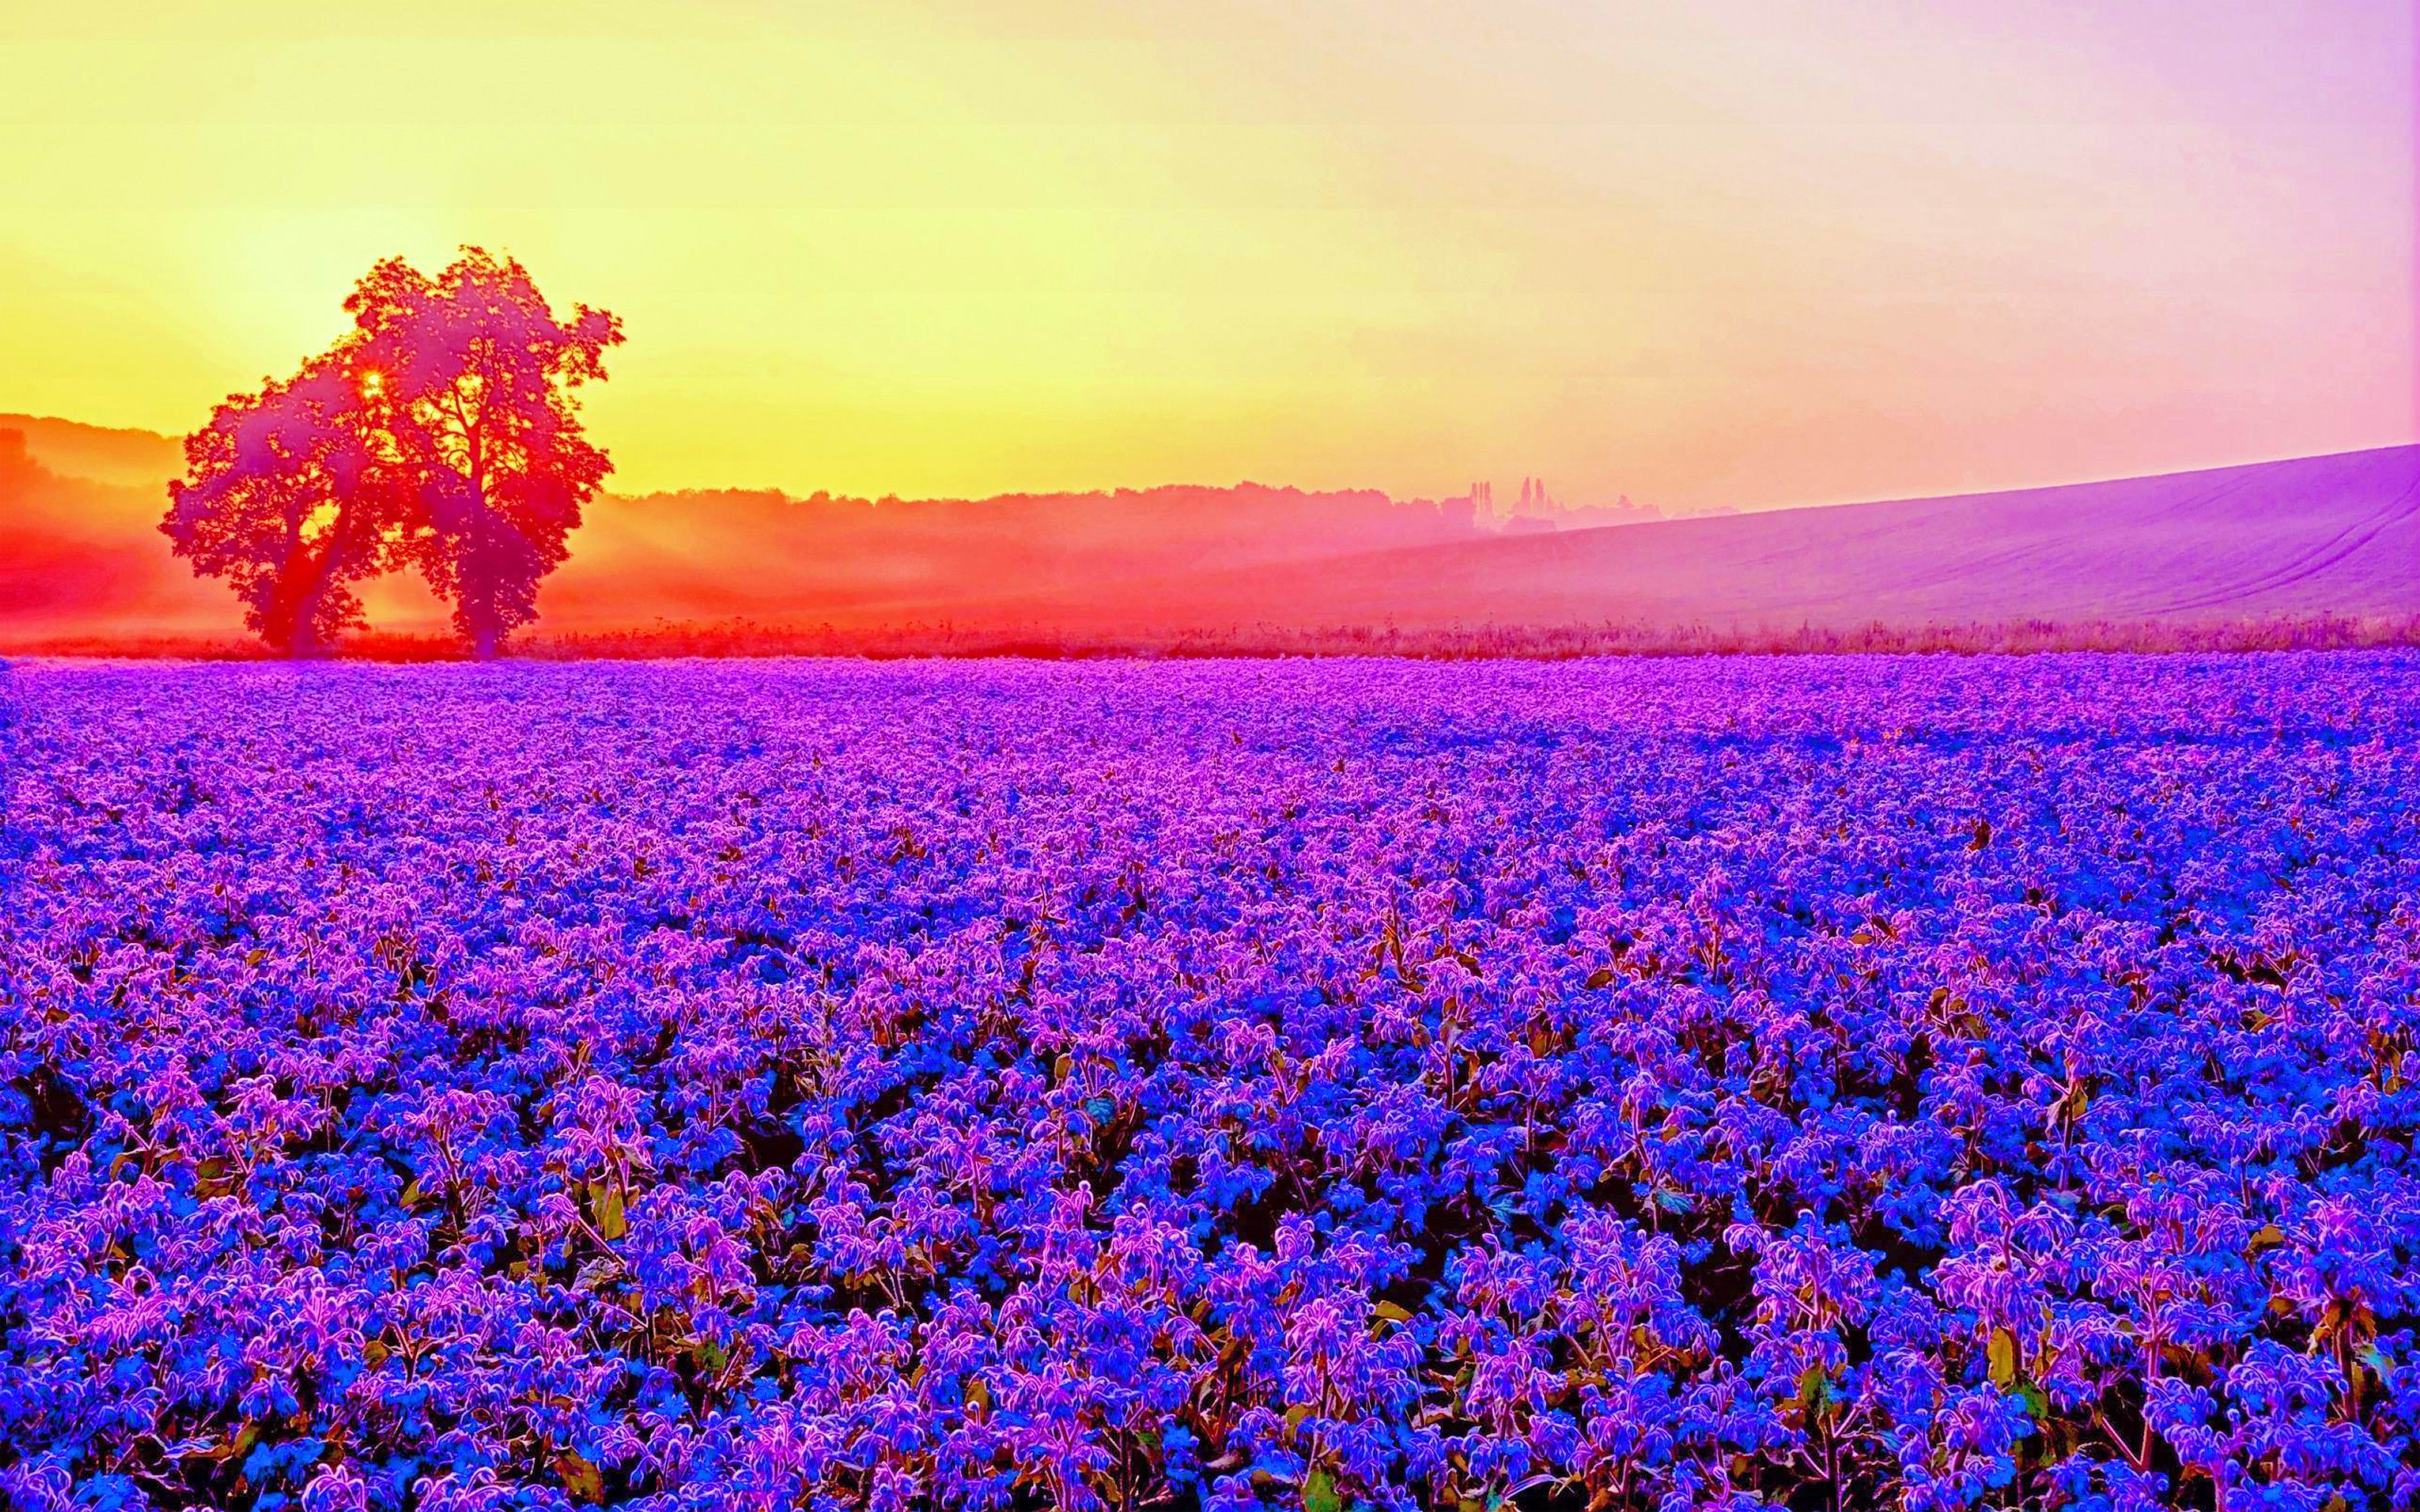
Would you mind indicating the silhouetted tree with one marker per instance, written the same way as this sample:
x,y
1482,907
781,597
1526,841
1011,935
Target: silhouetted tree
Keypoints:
x,y
475,395
284,497
440,431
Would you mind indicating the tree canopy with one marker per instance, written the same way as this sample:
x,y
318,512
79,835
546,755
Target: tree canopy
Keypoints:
x,y
440,433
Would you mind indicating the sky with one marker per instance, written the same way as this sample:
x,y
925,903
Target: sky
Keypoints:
x,y
1735,253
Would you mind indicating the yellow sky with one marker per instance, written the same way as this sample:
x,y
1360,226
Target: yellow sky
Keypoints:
x,y
1743,253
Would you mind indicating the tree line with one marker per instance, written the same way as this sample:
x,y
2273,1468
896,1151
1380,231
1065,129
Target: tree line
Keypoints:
x,y
440,434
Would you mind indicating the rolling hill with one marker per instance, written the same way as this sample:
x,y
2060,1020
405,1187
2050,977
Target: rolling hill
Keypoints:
x,y
2337,534
79,557
131,458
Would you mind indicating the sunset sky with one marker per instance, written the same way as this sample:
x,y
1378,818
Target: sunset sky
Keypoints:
x,y
1745,252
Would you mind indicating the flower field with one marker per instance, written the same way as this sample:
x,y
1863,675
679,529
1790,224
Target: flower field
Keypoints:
x,y
1825,1083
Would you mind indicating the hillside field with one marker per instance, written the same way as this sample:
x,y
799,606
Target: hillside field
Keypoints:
x,y
2152,562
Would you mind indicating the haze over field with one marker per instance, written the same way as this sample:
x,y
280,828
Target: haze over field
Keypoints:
x,y
2309,536
80,556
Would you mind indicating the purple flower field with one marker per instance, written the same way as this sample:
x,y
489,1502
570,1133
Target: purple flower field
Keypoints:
x,y
1924,1083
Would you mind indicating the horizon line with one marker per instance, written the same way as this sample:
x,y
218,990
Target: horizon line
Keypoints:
x,y
1663,512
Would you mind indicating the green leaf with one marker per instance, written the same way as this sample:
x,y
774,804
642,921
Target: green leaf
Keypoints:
x,y
605,1199
583,1480
235,1448
2002,1357
1319,1493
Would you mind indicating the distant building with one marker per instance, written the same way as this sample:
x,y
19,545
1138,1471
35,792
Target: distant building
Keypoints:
x,y
1535,508
1533,504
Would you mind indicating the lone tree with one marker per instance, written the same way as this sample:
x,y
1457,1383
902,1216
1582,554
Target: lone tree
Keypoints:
x,y
283,497
476,392
442,432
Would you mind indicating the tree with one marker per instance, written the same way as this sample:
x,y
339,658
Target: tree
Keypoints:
x,y
476,400
440,432
283,497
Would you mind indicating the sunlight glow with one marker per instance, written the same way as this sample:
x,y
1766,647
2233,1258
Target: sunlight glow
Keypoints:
x,y
1730,254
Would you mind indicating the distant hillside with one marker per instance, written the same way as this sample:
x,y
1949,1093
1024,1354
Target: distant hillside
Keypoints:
x,y
80,556
705,555
83,508
67,555
136,458
2314,536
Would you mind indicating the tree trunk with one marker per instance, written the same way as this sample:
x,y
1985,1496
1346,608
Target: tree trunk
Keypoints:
x,y
304,638
483,634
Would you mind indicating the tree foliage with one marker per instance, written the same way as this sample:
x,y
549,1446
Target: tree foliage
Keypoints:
x,y
442,433
283,498
476,395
